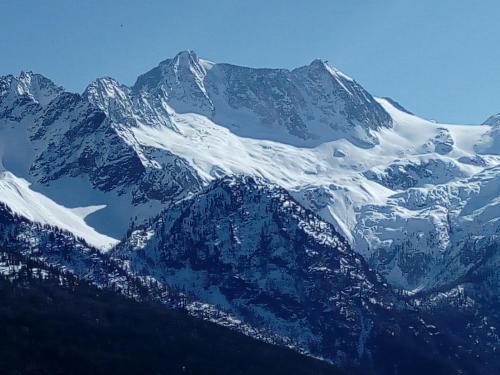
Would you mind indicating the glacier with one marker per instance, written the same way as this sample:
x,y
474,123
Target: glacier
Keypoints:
x,y
400,188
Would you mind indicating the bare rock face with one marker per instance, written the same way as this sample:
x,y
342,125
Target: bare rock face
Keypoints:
x,y
305,106
395,227
89,135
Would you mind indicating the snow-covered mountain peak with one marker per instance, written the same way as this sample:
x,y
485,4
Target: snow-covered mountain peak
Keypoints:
x,y
178,82
184,67
187,58
103,91
25,94
184,64
35,86
324,65
364,164
108,84
319,95
305,107
493,120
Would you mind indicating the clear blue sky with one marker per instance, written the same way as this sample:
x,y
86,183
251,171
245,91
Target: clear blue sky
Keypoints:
x,y
439,58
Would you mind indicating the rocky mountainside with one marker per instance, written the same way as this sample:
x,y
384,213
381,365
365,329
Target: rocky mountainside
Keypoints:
x,y
299,285
292,202
493,120
252,250
303,107
67,139
59,251
41,312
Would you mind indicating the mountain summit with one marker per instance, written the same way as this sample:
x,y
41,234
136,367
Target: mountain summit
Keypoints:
x,y
304,107
291,205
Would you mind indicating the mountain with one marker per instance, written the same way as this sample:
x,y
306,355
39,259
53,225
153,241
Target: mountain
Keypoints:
x,y
27,89
212,181
493,120
299,286
69,143
302,107
37,207
251,250
61,251
94,141
45,332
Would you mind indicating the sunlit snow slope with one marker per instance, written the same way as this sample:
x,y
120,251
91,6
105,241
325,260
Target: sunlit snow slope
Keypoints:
x,y
410,195
16,193
368,193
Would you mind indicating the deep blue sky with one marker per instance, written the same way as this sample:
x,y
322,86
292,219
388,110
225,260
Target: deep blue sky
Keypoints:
x,y
439,58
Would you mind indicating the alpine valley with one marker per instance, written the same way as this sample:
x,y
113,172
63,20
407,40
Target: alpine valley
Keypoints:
x,y
291,206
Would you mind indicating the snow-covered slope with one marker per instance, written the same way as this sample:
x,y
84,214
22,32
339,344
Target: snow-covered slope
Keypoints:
x,y
303,107
249,248
299,286
16,193
493,120
77,155
398,187
239,185
355,188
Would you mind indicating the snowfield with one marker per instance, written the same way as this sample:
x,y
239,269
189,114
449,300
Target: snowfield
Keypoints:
x,y
406,192
291,205
338,187
16,193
